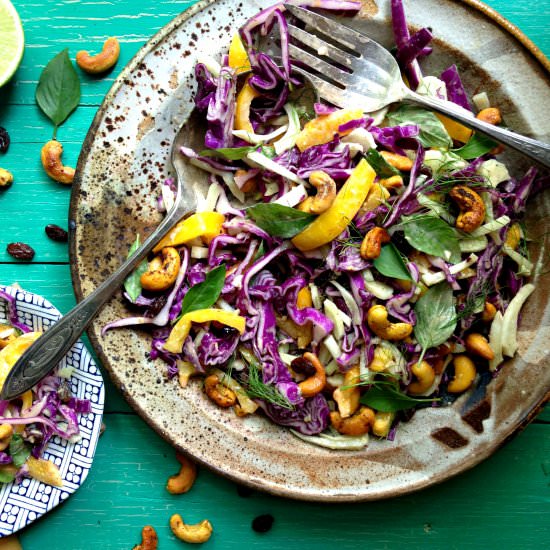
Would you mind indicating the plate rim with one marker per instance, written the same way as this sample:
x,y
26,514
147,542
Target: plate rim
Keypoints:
x,y
491,14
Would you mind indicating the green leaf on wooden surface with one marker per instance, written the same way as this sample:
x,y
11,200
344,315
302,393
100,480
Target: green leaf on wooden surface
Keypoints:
x,y
132,284
390,263
279,220
58,90
204,295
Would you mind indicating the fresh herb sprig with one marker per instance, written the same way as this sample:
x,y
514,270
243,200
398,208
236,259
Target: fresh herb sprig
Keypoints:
x,y
385,396
204,295
279,220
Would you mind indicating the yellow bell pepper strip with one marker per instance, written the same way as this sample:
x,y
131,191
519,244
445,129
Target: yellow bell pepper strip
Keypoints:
x,y
456,130
303,299
322,129
181,329
242,108
238,58
202,224
333,221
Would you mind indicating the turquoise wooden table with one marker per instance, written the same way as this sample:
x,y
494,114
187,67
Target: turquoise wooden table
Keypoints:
x,y
502,503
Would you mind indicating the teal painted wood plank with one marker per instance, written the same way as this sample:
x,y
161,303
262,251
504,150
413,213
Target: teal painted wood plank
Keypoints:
x,y
503,503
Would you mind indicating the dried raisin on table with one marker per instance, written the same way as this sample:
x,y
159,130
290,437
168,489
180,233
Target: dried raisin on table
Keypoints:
x,y
56,233
4,140
263,523
20,251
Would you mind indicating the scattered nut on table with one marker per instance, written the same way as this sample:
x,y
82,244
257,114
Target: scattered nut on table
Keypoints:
x,y
51,161
182,481
6,178
149,539
195,534
95,64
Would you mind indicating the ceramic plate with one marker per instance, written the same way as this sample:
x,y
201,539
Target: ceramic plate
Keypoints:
x,y
22,504
123,161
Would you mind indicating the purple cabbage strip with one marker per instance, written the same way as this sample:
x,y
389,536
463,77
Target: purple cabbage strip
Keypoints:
x,y
208,163
206,87
414,47
5,458
455,89
217,350
322,109
12,312
388,137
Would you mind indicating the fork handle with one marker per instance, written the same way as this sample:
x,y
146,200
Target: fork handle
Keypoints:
x,y
536,150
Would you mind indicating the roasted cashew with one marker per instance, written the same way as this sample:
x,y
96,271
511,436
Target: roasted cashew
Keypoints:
x,y
377,318
472,208
6,177
372,243
149,539
251,183
465,373
101,62
51,161
221,395
315,383
513,236
182,481
400,162
194,534
477,344
425,378
393,182
162,272
491,115
382,423
348,398
326,193
377,195
6,432
358,424
489,312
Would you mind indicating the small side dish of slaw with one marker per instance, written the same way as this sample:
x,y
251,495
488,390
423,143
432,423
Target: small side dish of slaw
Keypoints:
x,y
343,269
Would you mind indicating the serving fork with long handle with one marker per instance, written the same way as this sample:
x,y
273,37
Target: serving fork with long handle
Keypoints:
x,y
48,350
350,70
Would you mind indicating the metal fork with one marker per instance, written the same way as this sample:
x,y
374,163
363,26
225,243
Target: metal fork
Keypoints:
x,y
372,78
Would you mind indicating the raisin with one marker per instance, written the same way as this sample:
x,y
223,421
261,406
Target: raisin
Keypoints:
x,y
302,366
263,523
56,233
20,251
4,140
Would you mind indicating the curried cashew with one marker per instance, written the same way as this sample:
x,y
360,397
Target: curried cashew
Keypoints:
x,y
477,344
377,318
382,423
182,481
194,534
358,424
6,432
465,373
221,395
326,193
377,195
348,398
393,182
372,243
472,208
149,539
251,181
489,312
425,378
51,161
95,64
6,178
315,383
513,236
400,162
490,115
162,272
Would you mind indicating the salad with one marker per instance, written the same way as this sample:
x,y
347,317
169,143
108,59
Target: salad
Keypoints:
x,y
344,269
29,422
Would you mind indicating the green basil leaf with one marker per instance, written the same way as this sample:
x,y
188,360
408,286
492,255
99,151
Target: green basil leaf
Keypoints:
x,y
132,284
237,153
279,220
204,295
432,131
7,475
431,235
477,145
386,397
379,164
58,90
390,263
435,316
19,451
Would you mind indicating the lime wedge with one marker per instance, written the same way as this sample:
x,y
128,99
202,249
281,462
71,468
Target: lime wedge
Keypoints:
x,y
12,41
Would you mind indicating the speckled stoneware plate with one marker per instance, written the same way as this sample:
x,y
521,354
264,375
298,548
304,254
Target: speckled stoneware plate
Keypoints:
x,y
22,504
123,161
